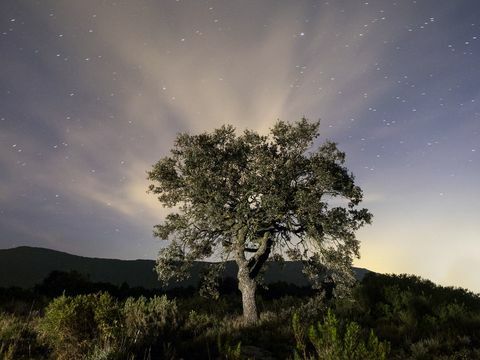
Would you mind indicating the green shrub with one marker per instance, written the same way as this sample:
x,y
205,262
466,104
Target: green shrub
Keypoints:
x,y
330,343
198,323
325,338
148,320
18,337
229,351
68,326
74,326
96,326
300,337
108,315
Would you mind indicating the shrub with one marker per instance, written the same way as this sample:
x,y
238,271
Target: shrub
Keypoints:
x,y
68,326
98,326
229,351
148,320
108,319
17,338
198,323
330,343
73,326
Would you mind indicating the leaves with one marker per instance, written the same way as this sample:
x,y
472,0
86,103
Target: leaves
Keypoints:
x,y
251,196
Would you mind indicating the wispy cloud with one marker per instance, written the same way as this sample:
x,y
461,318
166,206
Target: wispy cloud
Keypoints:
x,y
93,93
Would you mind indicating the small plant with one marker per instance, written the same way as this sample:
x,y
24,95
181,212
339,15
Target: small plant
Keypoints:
x,y
325,339
12,332
330,343
147,320
198,323
229,351
300,337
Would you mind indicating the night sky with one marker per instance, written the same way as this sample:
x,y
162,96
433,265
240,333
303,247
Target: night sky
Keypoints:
x,y
92,93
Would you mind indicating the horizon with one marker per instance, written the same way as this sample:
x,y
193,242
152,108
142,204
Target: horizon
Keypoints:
x,y
104,258
228,261
93,94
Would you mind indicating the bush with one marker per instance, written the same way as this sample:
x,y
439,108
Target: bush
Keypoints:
x,y
329,343
75,326
229,351
18,338
68,326
97,326
198,323
148,320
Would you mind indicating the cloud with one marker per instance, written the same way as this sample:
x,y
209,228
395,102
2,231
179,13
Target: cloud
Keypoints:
x,y
99,90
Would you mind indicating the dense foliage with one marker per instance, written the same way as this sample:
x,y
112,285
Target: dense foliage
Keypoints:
x,y
387,317
251,197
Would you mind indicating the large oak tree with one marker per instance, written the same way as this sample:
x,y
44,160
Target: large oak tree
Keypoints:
x,y
251,197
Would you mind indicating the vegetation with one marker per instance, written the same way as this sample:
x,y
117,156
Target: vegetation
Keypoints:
x,y
255,199
331,343
386,317
250,198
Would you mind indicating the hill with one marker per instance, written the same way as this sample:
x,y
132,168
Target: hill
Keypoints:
x,y
26,266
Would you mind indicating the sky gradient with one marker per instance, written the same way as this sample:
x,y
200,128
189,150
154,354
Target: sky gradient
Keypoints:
x,y
92,93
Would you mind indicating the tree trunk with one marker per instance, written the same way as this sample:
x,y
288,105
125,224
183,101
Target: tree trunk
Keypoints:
x,y
248,288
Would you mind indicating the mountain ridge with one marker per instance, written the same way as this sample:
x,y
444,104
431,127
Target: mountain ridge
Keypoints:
x,y
26,266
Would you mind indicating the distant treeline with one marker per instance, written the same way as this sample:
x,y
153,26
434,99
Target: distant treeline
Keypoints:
x,y
71,283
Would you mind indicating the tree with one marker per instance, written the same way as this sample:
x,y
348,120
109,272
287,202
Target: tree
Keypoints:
x,y
251,197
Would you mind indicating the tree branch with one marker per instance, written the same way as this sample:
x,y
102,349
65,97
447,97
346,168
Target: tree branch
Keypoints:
x,y
256,262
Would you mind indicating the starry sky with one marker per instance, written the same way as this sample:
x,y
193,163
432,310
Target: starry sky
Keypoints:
x,y
92,93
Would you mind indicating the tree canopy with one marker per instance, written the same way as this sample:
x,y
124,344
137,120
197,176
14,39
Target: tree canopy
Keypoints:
x,y
252,197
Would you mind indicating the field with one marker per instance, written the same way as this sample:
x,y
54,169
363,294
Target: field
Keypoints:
x,y
385,317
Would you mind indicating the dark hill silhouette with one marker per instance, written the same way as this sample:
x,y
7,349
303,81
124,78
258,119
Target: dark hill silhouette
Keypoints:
x,y
26,266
